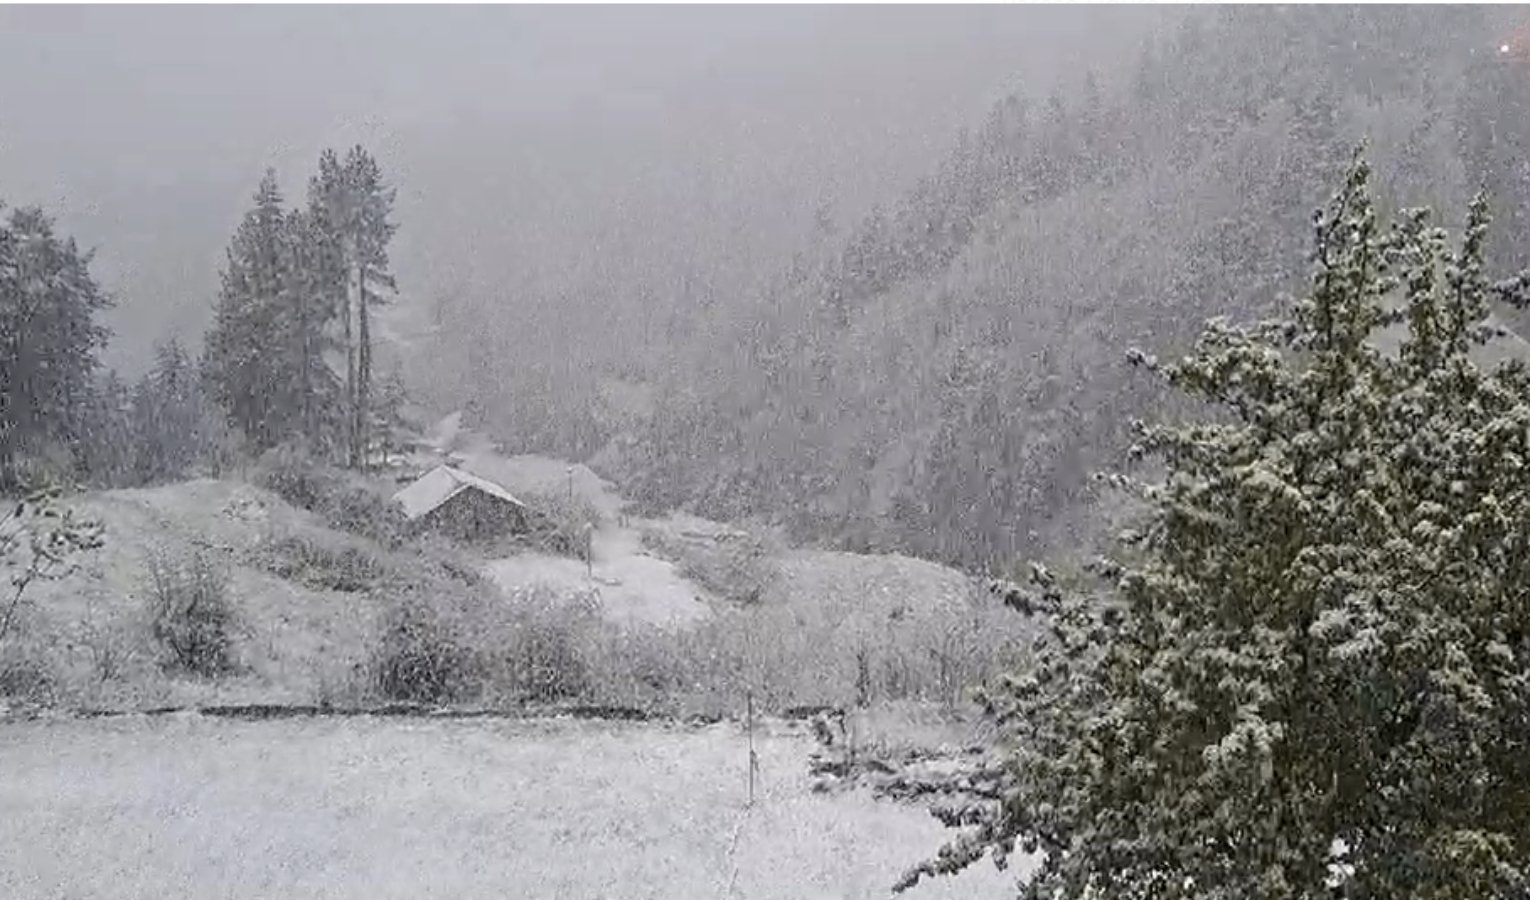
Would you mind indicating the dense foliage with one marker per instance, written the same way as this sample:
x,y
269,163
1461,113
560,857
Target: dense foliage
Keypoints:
x,y
49,340
297,287
1312,663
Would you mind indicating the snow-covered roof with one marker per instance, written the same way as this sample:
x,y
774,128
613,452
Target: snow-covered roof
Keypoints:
x,y
441,484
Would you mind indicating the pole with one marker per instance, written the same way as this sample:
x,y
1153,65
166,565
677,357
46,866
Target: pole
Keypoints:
x,y
749,719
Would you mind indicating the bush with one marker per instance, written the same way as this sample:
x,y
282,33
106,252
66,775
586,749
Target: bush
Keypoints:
x,y
288,472
436,559
453,641
558,522
737,566
108,647
344,501
364,512
38,540
348,568
26,675
443,645
190,613
423,659
547,651
740,569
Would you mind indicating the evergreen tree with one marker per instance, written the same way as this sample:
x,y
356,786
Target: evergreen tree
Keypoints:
x,y
331,216
245,360
374,231
310,303
353,202
387,414
1047,171
1308,666
49,338
109,446
167,417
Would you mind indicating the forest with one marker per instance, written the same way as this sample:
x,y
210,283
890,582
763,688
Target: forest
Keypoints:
x,y
943,378
288,360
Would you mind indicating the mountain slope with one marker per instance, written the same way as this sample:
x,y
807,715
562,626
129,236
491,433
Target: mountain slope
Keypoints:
x,y
945,383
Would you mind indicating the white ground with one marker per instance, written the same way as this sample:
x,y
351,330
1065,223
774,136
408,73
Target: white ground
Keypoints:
x,y
633,585
366,808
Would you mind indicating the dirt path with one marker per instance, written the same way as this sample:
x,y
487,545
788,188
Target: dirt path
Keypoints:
x,y
633,586
375,808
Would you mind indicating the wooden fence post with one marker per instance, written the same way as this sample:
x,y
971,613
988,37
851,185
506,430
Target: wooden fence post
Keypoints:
x,y
753,761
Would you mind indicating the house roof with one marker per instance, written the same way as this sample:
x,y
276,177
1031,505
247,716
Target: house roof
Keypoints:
x,y
441,484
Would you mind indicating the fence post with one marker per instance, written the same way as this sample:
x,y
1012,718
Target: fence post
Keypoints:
x,y
749,719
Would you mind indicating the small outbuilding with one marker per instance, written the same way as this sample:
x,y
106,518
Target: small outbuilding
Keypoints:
x,y
462,505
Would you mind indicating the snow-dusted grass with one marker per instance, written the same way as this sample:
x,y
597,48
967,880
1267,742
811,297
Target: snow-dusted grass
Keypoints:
x,y
631,630
371,808
92,627
706,614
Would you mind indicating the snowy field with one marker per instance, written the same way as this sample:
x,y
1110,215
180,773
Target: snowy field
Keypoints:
x,y
182,806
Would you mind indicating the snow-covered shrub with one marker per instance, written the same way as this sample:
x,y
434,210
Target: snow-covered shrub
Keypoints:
x,y
423,657
1322,634
191,615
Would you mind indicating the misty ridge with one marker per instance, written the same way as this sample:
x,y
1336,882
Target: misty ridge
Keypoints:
x,y
1098,431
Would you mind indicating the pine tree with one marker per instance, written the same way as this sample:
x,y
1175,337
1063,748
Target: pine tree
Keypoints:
x,y
245,357
1309,665
310,302
167,417
49,338
109,446
387,414
1046,171
265,357
353,202
330,214
374,231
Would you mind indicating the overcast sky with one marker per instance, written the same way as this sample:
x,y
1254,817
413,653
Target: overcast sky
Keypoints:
x,y
526,142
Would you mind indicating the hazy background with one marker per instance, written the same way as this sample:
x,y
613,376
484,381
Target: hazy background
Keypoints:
x,y
537,151
644,238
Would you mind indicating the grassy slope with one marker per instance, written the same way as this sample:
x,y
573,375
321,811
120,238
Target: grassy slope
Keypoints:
x,y
369,808
293,640
824,628
824,618
799,644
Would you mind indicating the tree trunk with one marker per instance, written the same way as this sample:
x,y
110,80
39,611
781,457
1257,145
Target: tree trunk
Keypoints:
x,y
363,371
9,481
353,457
305,362
8,434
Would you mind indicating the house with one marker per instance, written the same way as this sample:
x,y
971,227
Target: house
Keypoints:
x,y
462,505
